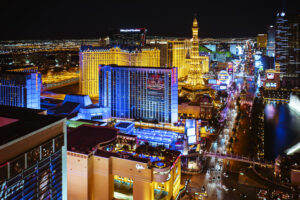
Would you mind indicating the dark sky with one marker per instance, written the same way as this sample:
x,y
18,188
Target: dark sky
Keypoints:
x,y
90,19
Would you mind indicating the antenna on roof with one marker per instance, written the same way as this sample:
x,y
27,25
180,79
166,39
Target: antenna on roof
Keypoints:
x,y
284,6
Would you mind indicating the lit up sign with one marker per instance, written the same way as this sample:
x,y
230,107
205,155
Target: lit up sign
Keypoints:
x,y
223,87
155,82
270,75
223,75
271,85
230,68
130,30
191,131
192,139
212,81
138,166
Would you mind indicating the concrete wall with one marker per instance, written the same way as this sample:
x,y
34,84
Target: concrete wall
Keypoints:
x,y
77,166
103,180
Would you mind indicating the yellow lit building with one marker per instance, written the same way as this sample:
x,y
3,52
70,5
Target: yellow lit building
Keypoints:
x,y
177,56
91,57
262,40
184,54
99,167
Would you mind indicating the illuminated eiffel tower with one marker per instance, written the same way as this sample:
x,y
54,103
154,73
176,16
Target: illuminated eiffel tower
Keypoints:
x,y
195,75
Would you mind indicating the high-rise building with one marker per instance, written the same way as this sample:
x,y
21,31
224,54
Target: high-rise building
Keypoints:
x,y
21,89
177,55
287,47
261,41
135,37
271,41
142,93
91,57
32,154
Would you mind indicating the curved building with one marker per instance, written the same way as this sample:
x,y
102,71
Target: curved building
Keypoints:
x,y
100,167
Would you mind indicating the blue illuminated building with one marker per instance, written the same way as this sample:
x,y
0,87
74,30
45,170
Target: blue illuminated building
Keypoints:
x,y
287,48
76,106
125,127
157,137
141,93
20,89
33,159
271,42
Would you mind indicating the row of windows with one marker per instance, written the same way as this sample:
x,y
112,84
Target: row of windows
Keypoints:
x,y
41,181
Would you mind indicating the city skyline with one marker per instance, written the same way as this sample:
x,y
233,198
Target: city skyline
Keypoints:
x,y
140,100
65,20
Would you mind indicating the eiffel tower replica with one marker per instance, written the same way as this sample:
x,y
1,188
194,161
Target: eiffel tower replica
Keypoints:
x,y
195,83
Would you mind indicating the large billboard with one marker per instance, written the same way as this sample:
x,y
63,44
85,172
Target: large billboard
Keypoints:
x,y
155,85
270,76
230,68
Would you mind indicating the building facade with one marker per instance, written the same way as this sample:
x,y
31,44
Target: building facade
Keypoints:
x,y
21,89
177,55
287,47
271,41
261,41
91,57
98,169
32,155
142,93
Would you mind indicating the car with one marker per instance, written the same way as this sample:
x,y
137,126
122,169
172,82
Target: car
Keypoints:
x,y
225,188
203,188
204,194
225,175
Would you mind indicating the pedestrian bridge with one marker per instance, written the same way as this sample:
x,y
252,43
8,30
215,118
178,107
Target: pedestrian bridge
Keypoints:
x,y
55,85
232,157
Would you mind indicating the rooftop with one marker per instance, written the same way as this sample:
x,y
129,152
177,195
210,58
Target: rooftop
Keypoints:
x,y
123,124
85,138
22,121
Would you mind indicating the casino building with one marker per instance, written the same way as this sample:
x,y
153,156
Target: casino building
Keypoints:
x,y
32,154
21,89
141,93
91,57
104,164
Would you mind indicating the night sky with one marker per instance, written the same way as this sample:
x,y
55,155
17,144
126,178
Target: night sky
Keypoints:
x,y
92,19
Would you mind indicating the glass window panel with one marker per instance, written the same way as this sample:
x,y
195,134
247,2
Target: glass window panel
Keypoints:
x,y
33,156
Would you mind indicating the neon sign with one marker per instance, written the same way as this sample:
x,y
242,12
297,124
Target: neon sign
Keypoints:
x,y
138,167
130,30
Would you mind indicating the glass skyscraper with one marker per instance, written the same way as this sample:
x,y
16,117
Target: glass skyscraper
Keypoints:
x,y
20,89
271,42
141,93
287,47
